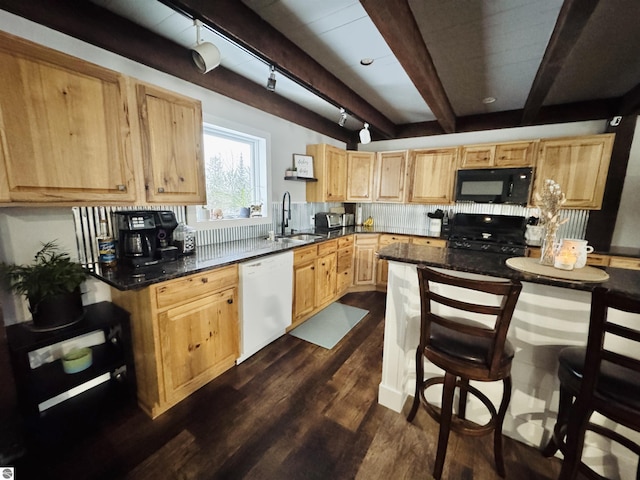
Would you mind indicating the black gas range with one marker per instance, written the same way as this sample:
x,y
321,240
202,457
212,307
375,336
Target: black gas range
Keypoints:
x,y
488,233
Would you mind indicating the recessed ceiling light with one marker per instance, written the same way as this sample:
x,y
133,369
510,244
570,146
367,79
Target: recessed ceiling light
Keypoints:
x,y
366,61
488,100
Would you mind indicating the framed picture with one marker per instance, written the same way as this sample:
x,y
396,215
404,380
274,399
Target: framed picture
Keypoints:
x,y
303,165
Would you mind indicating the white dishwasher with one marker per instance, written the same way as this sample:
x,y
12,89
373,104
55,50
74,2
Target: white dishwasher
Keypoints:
x,y
266,296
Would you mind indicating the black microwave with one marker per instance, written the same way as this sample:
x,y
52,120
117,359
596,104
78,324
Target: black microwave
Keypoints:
x,y
498,185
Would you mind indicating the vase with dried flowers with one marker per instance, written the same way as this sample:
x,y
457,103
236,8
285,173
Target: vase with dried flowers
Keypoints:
x,y
549,203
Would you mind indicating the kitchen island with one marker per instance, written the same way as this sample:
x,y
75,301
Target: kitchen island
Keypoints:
x,y
550,314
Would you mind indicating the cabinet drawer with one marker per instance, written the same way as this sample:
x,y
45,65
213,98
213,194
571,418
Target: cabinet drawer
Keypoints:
x,y
344,242
596,259
432,242
304,254
327,247
386,239
625,262
185,289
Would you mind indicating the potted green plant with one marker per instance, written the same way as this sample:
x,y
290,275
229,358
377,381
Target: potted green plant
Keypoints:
x,y
51,285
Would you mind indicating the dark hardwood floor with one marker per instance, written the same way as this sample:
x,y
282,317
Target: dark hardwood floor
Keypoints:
x,y
292,411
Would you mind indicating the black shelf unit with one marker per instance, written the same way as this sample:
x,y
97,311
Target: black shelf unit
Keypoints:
x,y
80,412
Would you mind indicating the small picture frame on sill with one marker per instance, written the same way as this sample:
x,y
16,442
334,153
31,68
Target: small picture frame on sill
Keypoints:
x,y
303,165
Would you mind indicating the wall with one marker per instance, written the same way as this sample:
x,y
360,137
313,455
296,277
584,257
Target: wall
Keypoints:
x,y
626,225
23,230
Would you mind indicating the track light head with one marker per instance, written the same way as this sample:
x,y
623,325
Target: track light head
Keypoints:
x,y
365,134
205,55
343,117
271,81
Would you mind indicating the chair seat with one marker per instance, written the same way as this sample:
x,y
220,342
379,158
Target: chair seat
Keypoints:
x,y
615,382
465,347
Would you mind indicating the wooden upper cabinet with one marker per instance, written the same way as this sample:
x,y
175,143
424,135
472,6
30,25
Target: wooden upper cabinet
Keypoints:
x,y
431,174
330,168
390,176
579,165
498,155
360,169
64,128
172,150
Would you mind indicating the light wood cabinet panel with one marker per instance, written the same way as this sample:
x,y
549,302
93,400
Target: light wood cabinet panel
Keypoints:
x,y
304,290
624,262
360,168
498,155
326,279
180,346
391,176
382,267
429,241
196,339
172,150
515,154
330,169
477,156
64,128
344,270
364,259
579,165
432,173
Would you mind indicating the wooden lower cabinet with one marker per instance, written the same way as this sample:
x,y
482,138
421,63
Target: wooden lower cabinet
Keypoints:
x,y
382,267
364,260
344,267
314,279
185,333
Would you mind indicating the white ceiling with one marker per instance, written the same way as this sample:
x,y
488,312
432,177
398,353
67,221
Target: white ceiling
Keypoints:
x,y
480,48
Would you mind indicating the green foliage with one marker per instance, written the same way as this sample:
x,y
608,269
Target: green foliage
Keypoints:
x,y
228,184
51,273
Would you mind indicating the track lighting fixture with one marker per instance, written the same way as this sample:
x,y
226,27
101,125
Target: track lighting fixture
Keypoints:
x,y
365,134
271,81
205,55
343,117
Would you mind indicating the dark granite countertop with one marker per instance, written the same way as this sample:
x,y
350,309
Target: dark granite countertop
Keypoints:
x,y
493,264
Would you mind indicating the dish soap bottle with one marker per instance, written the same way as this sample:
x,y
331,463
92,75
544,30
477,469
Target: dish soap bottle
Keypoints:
x,y
106,245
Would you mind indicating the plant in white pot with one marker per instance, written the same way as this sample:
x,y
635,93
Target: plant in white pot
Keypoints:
x,y
51,285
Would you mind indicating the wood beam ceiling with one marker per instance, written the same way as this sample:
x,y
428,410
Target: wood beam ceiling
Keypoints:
x,y
97,26
237,21
395,21
572,19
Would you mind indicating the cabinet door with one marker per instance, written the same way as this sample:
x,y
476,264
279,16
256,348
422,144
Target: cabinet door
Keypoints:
x,y
64,128
382,268
330,167
172,148
364,260
579,165
325,278
198,340
477,156
304,289
515,154
390,176
360,167
344,270
432,173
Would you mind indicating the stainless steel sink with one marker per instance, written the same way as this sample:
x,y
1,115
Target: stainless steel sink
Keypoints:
x,y
306,237
289,240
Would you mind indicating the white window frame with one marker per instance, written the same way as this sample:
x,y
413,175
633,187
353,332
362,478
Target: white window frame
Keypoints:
x,y
263,150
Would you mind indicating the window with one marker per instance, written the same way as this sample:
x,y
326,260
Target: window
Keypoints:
x,y
236,174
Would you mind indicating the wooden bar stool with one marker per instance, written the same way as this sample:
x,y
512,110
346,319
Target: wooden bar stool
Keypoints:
x,y
601,380
454,337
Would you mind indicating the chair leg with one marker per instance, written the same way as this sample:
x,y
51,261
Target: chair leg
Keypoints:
x,y
497,434
576,428
564,407
462,401
419,383
445,422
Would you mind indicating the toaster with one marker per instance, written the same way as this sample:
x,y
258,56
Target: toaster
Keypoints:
x,y
328,220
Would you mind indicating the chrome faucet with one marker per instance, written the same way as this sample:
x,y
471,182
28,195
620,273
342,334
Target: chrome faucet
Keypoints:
x,y
285,219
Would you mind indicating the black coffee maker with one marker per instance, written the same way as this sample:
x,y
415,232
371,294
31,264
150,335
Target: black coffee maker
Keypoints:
x,y
145,237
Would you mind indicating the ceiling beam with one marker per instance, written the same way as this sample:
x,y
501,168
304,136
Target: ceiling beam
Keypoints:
x,y
97,26
241,24
395,21
630,102
572,19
